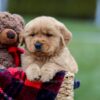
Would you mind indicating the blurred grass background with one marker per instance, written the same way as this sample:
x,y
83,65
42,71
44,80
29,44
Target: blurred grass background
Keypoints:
x,y
69,8
85,47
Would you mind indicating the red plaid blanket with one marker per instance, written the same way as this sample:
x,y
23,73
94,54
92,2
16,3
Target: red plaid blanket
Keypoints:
x,y
15,86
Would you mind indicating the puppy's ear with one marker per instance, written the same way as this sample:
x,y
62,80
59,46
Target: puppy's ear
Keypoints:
x,y
21,40
67,35
62,42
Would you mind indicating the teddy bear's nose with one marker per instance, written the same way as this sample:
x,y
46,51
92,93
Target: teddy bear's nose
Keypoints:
x,y
38,46
11,35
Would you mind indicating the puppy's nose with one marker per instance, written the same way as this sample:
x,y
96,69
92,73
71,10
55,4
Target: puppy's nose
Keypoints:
x,y
10,35
38,46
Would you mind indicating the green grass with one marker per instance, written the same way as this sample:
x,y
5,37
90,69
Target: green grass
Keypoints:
x,y
87,56
85,47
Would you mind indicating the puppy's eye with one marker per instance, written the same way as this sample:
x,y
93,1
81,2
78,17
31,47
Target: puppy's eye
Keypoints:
x,y
48,35
32,35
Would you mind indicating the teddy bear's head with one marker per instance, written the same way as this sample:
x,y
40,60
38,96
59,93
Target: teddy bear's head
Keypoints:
x,y
11,28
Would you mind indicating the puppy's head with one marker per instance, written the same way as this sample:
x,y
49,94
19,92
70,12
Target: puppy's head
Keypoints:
x,y
46,36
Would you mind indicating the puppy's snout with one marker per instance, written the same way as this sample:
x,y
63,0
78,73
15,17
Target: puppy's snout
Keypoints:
x,y
38,46
10,35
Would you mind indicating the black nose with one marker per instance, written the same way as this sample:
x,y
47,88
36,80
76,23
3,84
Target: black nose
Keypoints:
x,y
11,35
38,46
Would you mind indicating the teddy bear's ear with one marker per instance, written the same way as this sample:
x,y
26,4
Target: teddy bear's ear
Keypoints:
x,y
4,14
67,35
20,20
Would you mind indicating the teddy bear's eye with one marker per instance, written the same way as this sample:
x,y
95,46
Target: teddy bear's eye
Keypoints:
x,y
48,35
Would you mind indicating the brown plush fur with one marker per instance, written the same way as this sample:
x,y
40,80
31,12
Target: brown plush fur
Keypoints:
x,y
54,56
10,23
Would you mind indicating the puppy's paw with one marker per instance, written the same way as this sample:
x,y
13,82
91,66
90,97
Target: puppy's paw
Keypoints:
x,y
46,74
33,73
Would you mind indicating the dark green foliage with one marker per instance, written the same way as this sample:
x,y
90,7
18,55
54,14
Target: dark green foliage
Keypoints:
x,y
69,8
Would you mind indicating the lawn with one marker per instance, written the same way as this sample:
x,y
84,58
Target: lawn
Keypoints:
x,y
85,47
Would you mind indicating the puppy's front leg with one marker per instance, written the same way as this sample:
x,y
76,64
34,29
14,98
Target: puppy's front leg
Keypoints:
x,y
48,71
33,72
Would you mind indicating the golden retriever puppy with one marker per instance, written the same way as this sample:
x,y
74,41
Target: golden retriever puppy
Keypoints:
x,y
46,54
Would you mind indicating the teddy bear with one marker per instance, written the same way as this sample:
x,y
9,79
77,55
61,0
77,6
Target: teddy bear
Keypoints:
x,y
11,29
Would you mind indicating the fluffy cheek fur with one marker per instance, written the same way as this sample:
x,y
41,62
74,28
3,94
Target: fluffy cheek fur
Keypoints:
x,y
49,45
29,44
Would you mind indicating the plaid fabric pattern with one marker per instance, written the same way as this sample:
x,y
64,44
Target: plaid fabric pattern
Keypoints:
x,y
9,56
4,96
16,87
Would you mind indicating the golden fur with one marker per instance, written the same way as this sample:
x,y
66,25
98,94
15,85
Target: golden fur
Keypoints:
x,y
54,56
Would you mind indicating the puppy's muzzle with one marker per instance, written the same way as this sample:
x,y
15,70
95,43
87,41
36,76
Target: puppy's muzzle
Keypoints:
x,y
38,46
10,35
